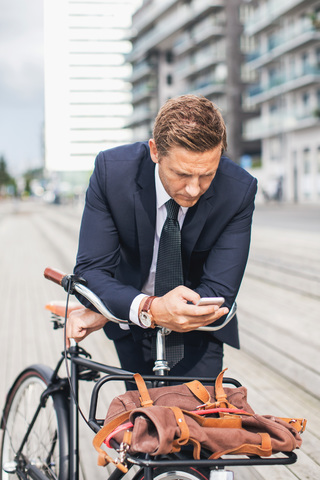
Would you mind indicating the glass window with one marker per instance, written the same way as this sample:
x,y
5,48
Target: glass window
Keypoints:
x,y
306,161
305,63
306,99
318,171
306,178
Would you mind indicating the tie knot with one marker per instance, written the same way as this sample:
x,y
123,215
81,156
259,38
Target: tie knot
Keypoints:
x,y
172,209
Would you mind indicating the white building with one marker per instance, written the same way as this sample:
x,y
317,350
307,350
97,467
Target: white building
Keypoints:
x,y
287,58
87,95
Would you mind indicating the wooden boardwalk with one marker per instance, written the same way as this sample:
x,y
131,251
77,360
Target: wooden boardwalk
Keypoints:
x,y
278,311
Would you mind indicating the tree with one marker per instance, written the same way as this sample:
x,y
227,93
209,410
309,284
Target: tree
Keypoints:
x,y
5,178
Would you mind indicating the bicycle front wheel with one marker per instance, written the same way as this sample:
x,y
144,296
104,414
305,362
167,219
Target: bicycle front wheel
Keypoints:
x,y
45,448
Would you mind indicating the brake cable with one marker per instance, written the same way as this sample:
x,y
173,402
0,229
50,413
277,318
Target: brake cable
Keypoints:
x,y
72,392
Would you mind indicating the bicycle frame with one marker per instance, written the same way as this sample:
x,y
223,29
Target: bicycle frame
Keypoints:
x,y
117,374
78,360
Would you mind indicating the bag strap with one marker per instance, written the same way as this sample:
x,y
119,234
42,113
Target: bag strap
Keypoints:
x,y
196,448
221,395
103,457
227,421
184,429
144,398
298,423
262,450
199,391
202,393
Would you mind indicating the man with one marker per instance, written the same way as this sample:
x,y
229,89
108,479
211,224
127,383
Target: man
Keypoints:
x,y
121,229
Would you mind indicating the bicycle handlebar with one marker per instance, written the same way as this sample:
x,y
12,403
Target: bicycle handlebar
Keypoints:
x,y
63,280
54,275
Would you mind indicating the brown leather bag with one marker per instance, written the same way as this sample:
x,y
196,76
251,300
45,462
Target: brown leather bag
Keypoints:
x,y
162,420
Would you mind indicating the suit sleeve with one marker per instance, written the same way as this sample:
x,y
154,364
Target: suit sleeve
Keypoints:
x,y
99,248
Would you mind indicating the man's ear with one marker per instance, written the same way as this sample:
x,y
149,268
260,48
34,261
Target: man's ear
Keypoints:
x,y
153,151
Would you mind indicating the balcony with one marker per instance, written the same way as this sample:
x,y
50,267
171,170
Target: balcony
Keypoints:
x,y
169,27
140,71
202,61
210,89
145,16
143,92
268,13
265,127
282,84
190,41
283,42
141,115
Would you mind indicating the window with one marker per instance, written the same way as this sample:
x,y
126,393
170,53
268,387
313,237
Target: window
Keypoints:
x,y
306,161
273,107
318,171
306,104
306,177
305,59
169,56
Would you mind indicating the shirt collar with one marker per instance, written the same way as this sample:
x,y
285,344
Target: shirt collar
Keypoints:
x,y
162,195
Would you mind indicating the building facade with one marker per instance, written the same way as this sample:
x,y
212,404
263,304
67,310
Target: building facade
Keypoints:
x,y
286,57
193,46
87,93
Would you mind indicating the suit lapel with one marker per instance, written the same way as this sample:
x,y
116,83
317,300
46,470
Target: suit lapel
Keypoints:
x,y
145,212
194,223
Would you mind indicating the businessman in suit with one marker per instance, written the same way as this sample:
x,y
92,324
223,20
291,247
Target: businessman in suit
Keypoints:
x,y
121,227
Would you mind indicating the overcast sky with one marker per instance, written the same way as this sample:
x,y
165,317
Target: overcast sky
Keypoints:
x,y
21,83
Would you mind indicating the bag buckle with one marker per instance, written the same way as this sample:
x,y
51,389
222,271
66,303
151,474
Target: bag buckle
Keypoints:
x,y
303,424
201,407
123,450
208,405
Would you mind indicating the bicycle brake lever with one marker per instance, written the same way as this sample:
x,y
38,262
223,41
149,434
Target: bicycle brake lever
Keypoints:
x,y
69,280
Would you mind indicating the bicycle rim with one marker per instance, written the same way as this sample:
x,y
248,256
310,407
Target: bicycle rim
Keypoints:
x,y
45,446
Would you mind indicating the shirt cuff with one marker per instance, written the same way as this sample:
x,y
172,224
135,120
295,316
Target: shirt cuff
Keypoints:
x,y
134,312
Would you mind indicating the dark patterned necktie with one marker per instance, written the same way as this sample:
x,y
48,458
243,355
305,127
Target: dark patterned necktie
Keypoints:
x,y
169,273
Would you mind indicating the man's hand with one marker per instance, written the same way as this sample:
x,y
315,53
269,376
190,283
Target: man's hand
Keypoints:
x,y
82,322
173,312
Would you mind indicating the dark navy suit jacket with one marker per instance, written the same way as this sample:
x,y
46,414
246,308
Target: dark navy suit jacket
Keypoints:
x,y
118,227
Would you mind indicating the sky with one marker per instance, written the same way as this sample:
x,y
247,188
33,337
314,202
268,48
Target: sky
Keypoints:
x,y
21,84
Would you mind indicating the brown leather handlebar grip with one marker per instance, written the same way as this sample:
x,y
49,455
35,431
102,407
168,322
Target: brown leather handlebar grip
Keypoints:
x,y
54,275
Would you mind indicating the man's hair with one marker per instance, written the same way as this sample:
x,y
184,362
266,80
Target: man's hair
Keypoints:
x,y
190,122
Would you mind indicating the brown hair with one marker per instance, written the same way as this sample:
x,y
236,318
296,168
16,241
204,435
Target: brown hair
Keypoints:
x,y
191,122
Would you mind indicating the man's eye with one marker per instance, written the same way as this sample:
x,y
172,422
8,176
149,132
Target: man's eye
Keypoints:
x,y
183,175
209,175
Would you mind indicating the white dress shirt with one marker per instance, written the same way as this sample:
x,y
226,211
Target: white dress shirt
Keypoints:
x,y
148,287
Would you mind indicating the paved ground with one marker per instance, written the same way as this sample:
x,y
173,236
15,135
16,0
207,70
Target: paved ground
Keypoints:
x,y
278,310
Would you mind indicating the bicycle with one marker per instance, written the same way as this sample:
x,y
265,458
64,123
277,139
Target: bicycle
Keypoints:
x,y
40,420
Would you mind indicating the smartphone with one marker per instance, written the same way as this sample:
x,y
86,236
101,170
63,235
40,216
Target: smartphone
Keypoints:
x,y
211,301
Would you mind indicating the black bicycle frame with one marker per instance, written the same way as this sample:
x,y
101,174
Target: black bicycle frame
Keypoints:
x,y
145,461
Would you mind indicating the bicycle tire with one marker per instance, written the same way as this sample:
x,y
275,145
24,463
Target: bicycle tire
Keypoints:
x,y
179,473
47,447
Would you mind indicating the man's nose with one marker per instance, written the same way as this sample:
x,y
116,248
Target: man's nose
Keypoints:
x,y
193,187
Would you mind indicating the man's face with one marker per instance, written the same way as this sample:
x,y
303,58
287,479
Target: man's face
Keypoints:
x,y
186,175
